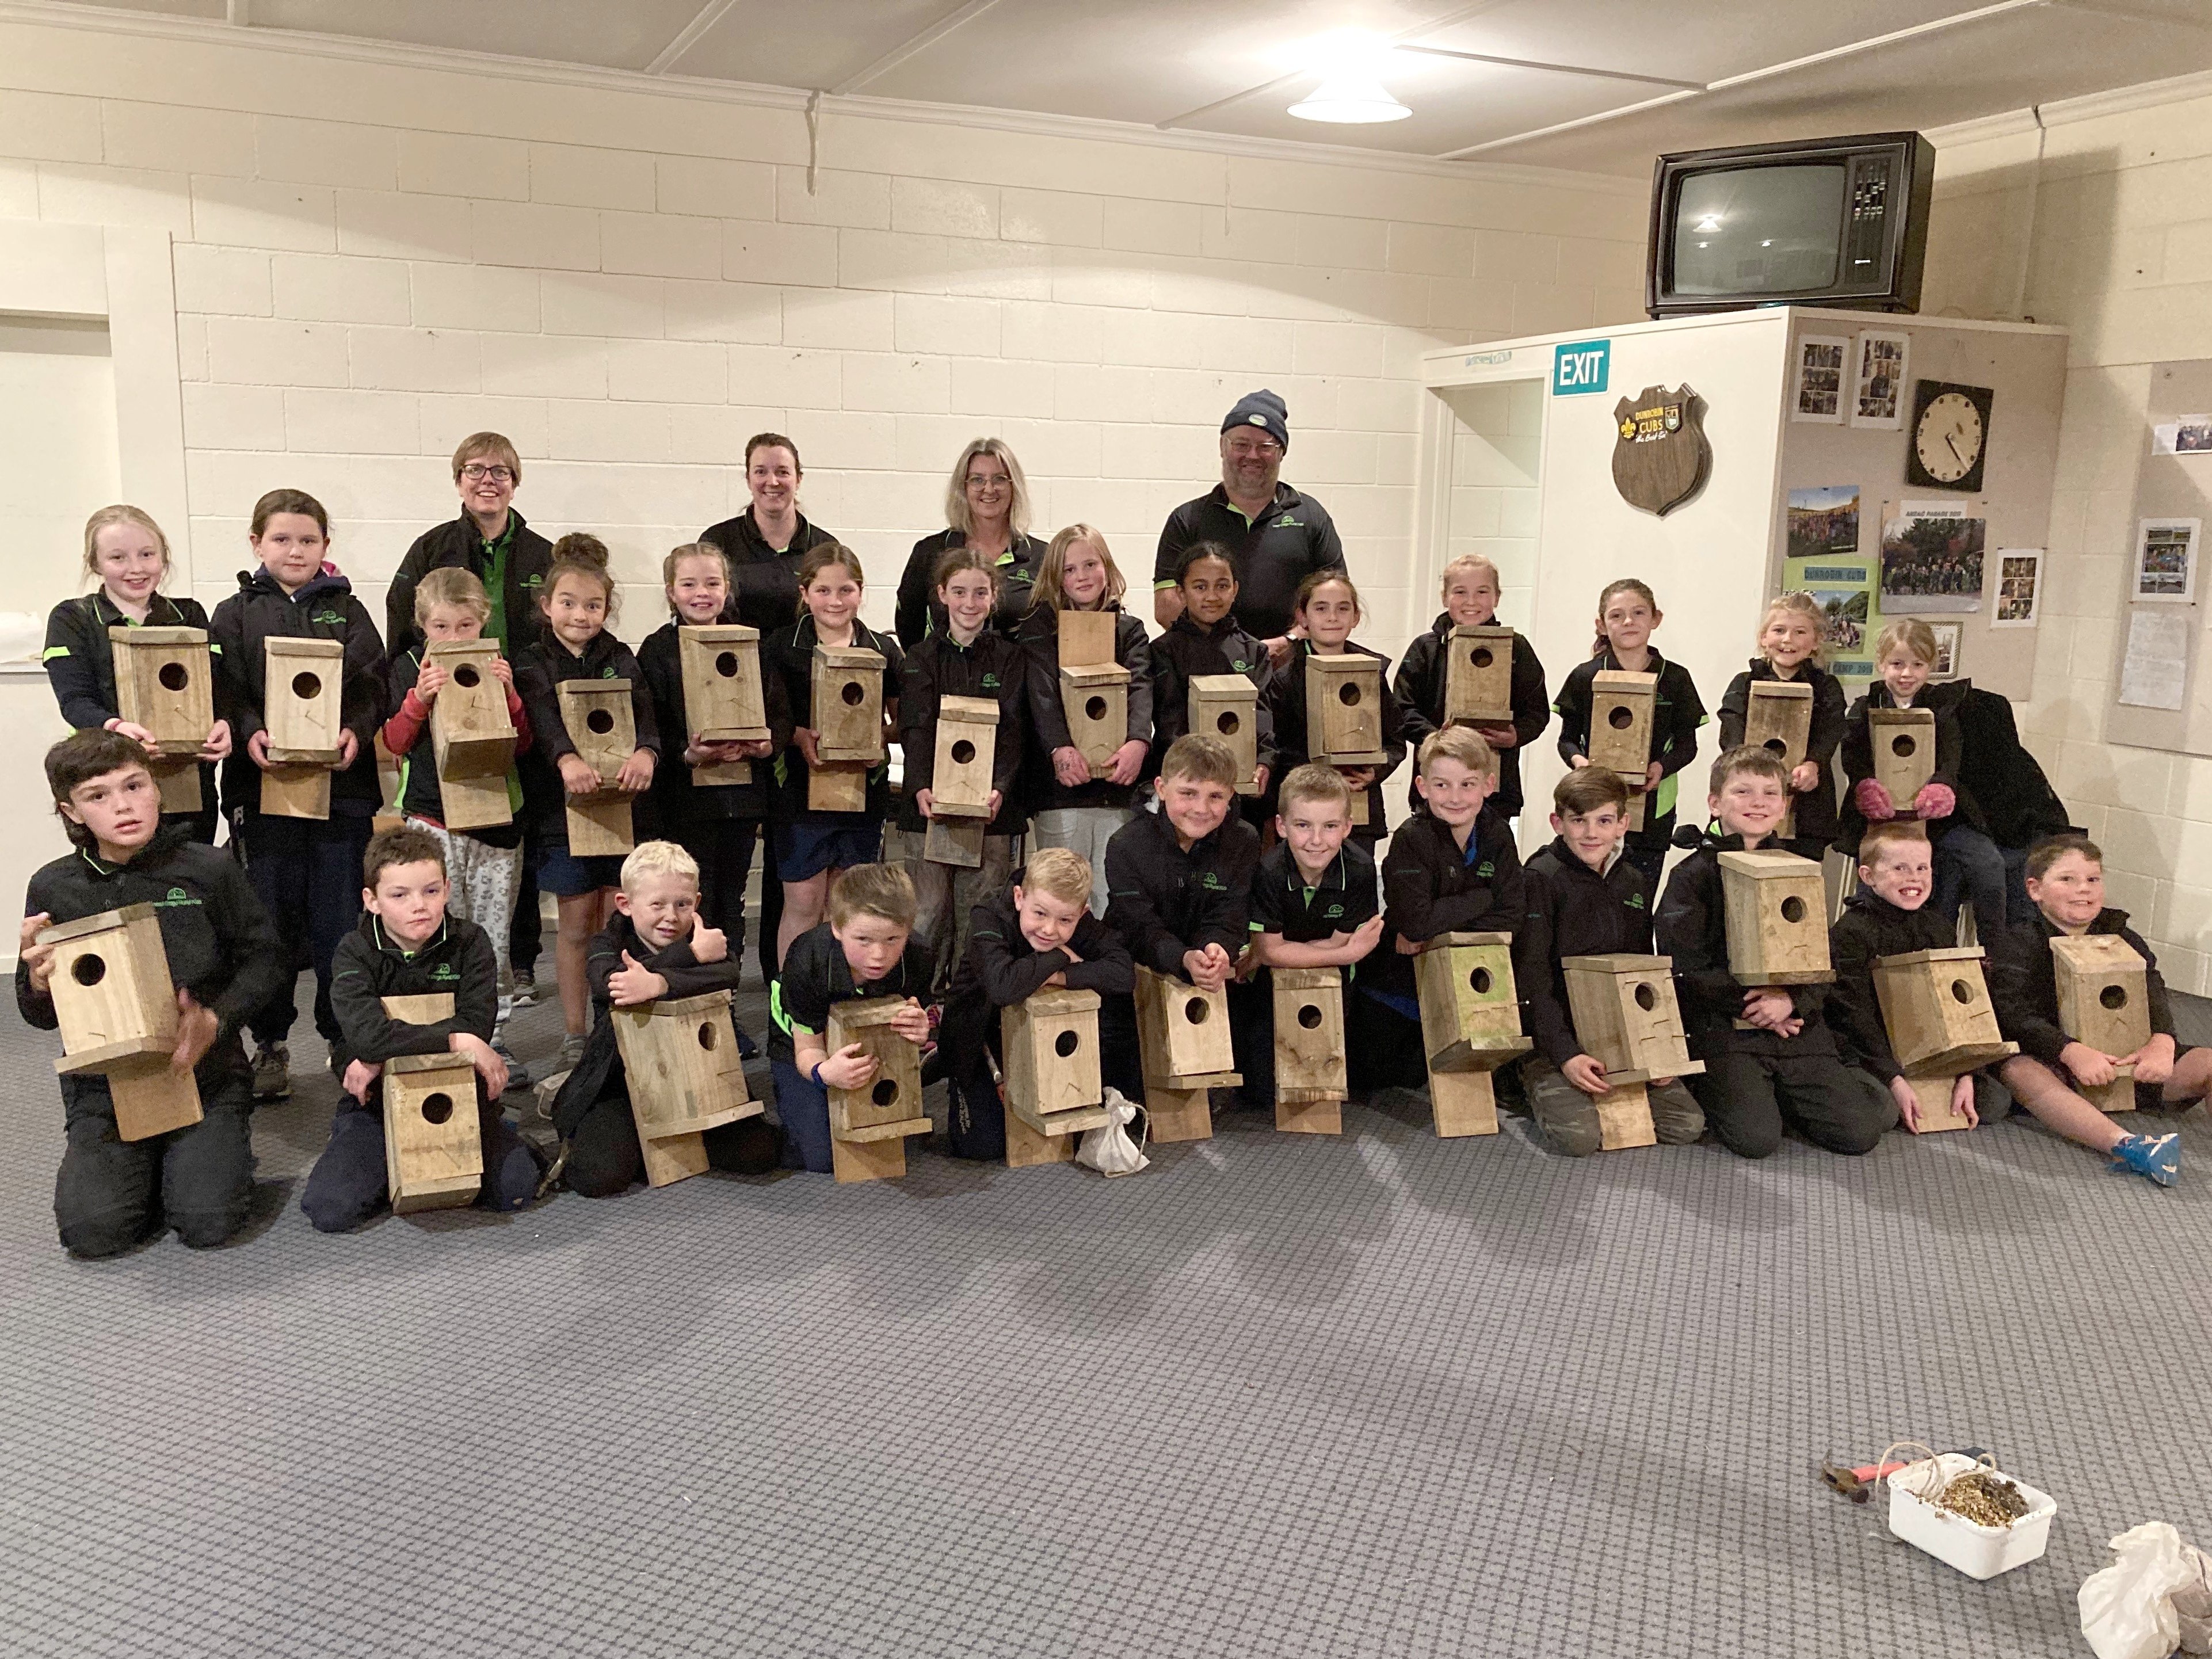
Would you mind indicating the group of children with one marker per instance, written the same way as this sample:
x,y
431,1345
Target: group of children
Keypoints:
x,y
1200,883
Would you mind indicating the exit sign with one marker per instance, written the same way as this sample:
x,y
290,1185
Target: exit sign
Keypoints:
x,y
1580,368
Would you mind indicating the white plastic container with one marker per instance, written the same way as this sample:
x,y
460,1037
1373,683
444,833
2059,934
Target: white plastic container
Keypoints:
x,y
1978,1551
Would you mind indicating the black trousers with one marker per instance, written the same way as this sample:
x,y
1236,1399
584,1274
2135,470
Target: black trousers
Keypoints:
x,y
1120,1064
771,907
605,1158
1748,1097
723,848
111,1192
1384,1048
975,1124
526,934
350,1182
1252,1038
307,872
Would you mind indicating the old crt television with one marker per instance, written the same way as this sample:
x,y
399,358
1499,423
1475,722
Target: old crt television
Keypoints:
x,y
1835,221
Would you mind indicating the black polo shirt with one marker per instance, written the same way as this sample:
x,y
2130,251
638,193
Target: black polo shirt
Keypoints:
x,y
1272,554
1341,902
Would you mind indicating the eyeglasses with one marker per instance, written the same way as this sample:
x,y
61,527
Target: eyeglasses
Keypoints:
x,y
476,470
1244,443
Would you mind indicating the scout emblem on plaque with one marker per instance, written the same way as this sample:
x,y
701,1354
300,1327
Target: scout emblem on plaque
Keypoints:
x,y
1661,456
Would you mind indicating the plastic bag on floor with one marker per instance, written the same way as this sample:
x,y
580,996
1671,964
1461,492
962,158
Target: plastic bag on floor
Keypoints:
x,y
2127,1608
1108,1148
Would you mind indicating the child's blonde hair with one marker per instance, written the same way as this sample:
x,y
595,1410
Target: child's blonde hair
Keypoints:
x,y
872,889
1053,567
1313,781
1462,743
1626,584
658,858
692,550
1479,564
1894,833
1201,758
449,584
1751,758
1320,579
1060,872
121,513
1796,605
1909,632
581,554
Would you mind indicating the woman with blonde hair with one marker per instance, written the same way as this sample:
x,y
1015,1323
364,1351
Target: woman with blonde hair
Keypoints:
x,y
986,509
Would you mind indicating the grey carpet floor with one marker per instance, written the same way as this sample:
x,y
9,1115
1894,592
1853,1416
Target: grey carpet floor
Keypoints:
x,y
1378,1395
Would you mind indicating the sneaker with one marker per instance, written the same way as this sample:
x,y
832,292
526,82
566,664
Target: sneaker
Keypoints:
x,y
272,1071
518,1074
571,1050
525,981
2155,1157
747,1049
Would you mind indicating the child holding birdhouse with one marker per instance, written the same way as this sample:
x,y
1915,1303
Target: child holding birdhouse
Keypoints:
x,y
1079,800
225,962
126,550
579,602
814,843
866,949
966,658
1327,610
1785,1067
1627,616
1038,935
1582,897
2055,1070
408,945
712,815
306,869
657,945
1422,685
1791,653
1204,641
481,859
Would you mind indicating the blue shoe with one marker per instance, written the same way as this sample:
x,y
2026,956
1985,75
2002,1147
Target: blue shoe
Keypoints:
x,y
2155,1157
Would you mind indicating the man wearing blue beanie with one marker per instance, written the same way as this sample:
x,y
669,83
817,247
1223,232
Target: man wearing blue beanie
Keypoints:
x,y
1276,536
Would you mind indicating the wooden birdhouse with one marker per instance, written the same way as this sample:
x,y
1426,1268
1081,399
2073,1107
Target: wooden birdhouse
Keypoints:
x,y
723,702
1085,638
1227,707
433,1139
1095,700
1626,1018
1050,1041
849,703
117,1007
1621,707
1935,1007
1479,675
685,1078
471,734
1470,1026
602,727
165,682
1779,720
1903,741
303,682
960,784
869,1124
1344,709
1183,1040
1310,1085
2104,1000
1778,918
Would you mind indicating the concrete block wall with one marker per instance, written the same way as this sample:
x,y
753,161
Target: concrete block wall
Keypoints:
x,y
375,257
2103,228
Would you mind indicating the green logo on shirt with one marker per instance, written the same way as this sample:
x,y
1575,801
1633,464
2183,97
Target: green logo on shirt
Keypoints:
x,y
1241,666
533,580
445,971
1212,883
1485,870
608,672
178,896
1634,901
329,619
990,682
1288,521
1332,913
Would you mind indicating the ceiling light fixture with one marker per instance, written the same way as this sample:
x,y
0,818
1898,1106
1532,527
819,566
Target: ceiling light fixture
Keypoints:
x,y
1350,97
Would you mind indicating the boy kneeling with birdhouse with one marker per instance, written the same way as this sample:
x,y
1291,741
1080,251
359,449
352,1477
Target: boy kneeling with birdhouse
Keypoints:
x,y
407,945
225,963
657,946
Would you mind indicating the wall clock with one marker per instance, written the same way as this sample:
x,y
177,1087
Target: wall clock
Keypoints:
x,y
1950,435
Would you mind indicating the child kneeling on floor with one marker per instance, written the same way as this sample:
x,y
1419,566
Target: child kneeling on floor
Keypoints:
x,y
1584,898
866,949
1039,935
1785,1068
2066,883
224,957
656,946
406,946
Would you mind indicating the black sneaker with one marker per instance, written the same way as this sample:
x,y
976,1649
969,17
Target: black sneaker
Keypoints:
x,y
272,1071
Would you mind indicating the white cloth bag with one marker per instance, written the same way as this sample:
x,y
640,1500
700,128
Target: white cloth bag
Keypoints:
x,y
1108,1148
2127,1608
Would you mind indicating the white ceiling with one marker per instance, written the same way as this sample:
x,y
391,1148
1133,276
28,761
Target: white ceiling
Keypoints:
x,y
1726,71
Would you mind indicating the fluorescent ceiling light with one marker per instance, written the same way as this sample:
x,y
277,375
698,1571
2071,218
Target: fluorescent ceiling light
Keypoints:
x,y
1350,97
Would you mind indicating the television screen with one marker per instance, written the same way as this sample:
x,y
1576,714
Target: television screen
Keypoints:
x,y
1759,230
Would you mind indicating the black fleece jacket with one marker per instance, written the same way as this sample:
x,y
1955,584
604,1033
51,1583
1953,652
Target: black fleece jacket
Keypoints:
x,y
80,661
1816,807
538,669
1003,968
1420,684
325,608
369,965
993,668
1570,910
919,615
1858,759
1676,715
1039,635
2018,806
1163,901
1431,885
1187,651
599,1072
789,654
221,943
1692,927
679,798
1871,927
459,544
2024,985
1285,700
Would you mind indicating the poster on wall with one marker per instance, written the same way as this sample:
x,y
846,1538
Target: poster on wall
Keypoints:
x,y
2019,587
1824,362
2155,670
1949,638
1844,591
2165,560
2192,434
1931,559
1824,522
1878,384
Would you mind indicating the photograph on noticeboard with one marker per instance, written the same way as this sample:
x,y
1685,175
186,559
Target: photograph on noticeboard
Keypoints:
x,y
1948,635
1878,387
1844,589
2165,560
1931,562
1824,364
1824,522
2192,434
2019,587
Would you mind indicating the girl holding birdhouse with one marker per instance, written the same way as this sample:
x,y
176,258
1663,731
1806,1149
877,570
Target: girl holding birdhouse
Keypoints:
x,y
126,550
1628,615
1791,652
1422,684
1325,612
1205,639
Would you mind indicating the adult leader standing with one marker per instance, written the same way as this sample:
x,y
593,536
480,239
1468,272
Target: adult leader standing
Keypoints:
x,y
986,507
1277,537
489,540
765,543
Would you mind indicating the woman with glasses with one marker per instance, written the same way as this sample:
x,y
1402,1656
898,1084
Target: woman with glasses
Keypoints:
x,y
986,507
489,540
